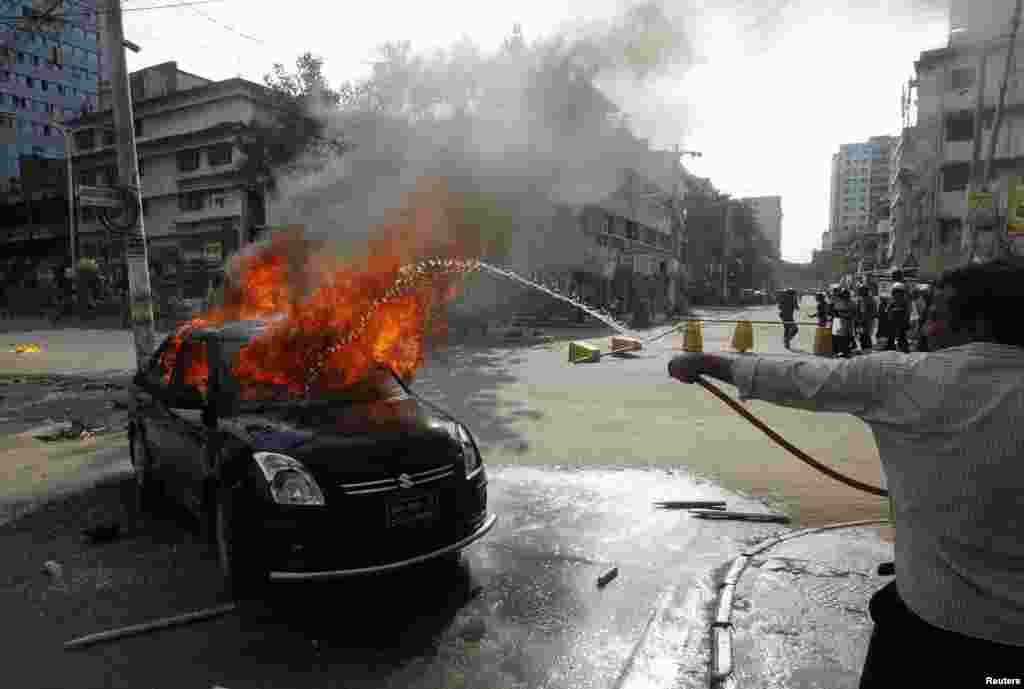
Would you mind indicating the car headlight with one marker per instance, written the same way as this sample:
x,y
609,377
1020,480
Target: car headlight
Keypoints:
x,y
290,481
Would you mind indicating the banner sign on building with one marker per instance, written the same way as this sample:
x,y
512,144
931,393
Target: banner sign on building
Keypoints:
x,y
979,199
1015,209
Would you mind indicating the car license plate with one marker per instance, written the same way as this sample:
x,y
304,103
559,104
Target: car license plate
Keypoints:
x,y
412,510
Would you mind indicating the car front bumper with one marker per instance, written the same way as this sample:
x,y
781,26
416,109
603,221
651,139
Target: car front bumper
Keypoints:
x,y
327,575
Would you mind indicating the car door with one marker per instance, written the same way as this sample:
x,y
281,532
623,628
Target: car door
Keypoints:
x,y
151,414
186,465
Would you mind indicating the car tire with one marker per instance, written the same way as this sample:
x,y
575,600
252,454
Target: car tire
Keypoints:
x,y
147,488
244,572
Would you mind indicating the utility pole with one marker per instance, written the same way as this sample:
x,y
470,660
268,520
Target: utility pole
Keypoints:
x,y
976,182
1000,244
141,298
725,250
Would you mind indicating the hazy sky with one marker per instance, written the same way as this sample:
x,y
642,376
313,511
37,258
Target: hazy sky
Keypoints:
x,y
767,112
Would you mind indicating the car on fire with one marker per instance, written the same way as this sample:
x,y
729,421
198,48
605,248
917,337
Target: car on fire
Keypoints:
x,y
303,487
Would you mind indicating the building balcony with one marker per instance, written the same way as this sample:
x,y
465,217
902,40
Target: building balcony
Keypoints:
x,y
227,211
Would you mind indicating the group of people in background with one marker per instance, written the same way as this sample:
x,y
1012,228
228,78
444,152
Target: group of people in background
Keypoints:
x,y
861,319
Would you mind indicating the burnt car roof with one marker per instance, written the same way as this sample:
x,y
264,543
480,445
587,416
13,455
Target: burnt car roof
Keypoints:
x,y
231,330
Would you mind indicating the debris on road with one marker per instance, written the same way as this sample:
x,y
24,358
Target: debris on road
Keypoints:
x,y
26,349
53,568
691,504
150,626
103,533
607,577
740,516
70,430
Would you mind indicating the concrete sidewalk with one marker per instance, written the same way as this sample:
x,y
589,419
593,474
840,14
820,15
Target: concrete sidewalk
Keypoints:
x,y
800,612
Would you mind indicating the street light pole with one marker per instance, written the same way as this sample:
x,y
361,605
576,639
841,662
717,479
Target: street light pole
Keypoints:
x,y
72,206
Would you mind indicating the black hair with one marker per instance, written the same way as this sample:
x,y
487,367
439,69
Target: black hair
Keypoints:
x,y
993,290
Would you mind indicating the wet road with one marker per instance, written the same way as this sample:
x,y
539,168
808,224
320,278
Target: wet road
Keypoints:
x,y
576,456
523,610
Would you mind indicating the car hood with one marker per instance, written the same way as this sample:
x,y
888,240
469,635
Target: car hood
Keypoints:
x,y
352,439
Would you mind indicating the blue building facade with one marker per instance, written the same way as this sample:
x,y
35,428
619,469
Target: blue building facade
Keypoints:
x,y
44,76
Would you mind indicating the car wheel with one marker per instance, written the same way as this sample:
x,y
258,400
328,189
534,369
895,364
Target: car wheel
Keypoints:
x,y
243,571
147,489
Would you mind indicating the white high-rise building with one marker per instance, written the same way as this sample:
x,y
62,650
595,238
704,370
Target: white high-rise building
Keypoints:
x,y
768,214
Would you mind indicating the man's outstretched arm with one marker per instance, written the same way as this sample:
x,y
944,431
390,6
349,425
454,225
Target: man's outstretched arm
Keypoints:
x,y
853,386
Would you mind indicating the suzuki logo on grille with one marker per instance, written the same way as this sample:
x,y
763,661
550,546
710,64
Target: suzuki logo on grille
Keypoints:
x,y
405,481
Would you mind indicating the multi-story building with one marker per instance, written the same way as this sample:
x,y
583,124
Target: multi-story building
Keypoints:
x,y
48,73
197,207
859,193
768,214
44,76
937,149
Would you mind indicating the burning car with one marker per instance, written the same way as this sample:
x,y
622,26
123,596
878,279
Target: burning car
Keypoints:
x,y
304,485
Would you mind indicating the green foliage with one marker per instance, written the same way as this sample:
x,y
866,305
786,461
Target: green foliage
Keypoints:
x,y
295,138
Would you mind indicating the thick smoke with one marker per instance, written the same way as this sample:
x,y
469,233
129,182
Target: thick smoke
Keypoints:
x,y
531,128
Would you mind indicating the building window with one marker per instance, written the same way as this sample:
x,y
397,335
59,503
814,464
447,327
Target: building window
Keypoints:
x,y
60,89
220,154
192,201
30,82
85,140
609,223
960,127
949,231
955,177
188,160
631,231
962,78
47,131
142,169
44,84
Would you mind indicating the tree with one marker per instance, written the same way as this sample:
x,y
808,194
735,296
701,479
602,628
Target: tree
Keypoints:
x,y
295,136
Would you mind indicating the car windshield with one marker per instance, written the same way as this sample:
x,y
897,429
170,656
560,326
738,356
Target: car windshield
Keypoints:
x,y
379,384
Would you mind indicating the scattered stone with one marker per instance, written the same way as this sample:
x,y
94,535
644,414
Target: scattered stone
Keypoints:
x,y
53,568
607,577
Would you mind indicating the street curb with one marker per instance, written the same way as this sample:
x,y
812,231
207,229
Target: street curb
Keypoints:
x,y
722,627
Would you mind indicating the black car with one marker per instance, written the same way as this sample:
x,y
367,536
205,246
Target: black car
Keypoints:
x,y
294,488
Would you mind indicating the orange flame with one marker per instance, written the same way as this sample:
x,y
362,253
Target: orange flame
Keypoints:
x,y
341,318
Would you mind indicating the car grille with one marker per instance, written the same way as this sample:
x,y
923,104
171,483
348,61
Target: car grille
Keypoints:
x,y
403,481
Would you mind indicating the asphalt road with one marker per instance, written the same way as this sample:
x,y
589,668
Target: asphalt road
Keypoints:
x,y
577,454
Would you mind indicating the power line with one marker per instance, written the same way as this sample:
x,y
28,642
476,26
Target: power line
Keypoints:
x,y
228,27
86,13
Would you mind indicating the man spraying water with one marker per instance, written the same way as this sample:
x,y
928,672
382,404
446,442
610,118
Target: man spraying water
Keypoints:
x,y
948,429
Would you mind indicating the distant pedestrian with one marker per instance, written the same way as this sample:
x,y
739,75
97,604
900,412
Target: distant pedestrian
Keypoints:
x,y
821,312
923,305
787,307
867,313
883,320
899,319
843,316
